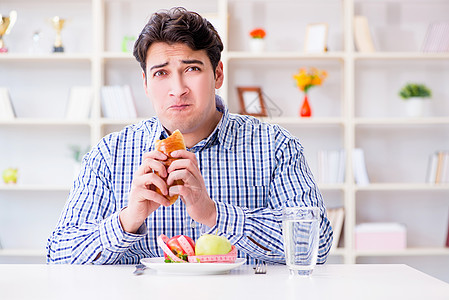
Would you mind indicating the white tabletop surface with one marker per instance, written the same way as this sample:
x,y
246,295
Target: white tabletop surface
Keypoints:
x,y
118,282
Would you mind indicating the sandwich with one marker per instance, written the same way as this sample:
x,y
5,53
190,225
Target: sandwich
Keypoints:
x,y
167,146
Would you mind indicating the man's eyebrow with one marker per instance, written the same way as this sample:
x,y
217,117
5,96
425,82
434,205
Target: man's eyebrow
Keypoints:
x,y
159,66
192,61
184,61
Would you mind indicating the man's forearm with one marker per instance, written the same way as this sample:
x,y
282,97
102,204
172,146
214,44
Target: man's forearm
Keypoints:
x,y
102,243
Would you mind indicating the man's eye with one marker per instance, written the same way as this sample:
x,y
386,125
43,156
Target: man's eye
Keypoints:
x,y
193,69
159,73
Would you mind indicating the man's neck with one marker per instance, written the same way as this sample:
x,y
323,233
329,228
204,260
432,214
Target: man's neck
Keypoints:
x,y
194,137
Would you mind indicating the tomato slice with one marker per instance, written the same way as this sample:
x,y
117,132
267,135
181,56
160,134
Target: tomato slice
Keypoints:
x,y
182,246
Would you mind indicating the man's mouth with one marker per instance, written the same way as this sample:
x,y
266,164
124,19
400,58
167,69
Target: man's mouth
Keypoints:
x,y
179,106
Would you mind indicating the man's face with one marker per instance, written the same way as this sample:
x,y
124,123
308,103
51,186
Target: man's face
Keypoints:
x,y
181,84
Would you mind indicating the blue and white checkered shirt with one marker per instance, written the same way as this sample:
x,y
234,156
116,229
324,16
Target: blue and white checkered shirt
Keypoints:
x,y
251,170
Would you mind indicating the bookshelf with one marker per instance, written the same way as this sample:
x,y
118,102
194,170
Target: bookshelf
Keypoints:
x,y
356,107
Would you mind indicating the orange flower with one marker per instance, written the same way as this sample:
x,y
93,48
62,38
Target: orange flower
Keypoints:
x,y
307,79
258,33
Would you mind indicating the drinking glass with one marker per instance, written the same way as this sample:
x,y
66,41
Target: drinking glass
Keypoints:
x,y
301,232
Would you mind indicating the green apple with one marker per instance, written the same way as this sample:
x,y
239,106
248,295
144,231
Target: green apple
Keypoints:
x,y
210,244
10,175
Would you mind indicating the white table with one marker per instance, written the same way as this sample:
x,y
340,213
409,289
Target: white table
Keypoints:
x,y
118,282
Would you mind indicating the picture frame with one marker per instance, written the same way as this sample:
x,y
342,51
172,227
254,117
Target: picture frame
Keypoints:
x,y
316,38
251,101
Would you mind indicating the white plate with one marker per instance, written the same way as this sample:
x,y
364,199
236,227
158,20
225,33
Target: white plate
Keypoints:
x,y
158,264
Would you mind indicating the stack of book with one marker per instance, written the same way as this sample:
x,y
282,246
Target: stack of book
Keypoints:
x,y
331,166
117,102
437,38
438,168
336,217
362,35
6,108
80,103
359,167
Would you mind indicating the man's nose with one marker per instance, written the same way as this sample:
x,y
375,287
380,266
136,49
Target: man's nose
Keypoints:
x,y
178,86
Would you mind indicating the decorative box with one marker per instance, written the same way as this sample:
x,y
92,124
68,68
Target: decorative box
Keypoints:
x,y
380,236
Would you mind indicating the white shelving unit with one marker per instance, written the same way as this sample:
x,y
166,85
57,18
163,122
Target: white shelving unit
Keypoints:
x,y
357,106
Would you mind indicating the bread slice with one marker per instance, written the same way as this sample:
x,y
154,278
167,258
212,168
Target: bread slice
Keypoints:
x,y
174,142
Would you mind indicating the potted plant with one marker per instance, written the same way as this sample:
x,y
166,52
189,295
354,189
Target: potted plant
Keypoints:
x,y
257,42
414,94
77,154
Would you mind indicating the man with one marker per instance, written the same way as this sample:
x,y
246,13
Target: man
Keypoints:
x,y
237,172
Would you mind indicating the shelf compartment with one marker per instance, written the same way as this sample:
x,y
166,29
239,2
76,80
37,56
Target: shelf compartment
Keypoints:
x,y
48,96
405,31
402,187
127,18
245,15
34,16
412,55
43,155
421,251
304,121
282,98
401,121
386,148
377,85
34,188
283,55
50,57
23,252
425,214
45,122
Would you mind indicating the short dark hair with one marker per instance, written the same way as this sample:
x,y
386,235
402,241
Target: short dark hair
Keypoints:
x,y
178,25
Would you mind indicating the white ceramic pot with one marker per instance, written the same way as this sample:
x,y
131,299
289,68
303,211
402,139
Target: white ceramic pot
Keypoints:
x,y
257,45
414,107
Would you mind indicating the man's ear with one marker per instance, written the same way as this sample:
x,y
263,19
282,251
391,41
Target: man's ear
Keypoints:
x,y
145,87
219,75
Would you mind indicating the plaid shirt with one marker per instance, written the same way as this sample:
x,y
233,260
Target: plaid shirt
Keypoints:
x,y
251,170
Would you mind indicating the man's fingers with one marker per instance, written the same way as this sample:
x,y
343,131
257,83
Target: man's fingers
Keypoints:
x,y
151,179
157,155
183,175
147,194
150,164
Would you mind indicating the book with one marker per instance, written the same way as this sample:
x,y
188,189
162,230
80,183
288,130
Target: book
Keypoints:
x,y
117,102
362,35
80,102
6,108
432,168
129,102
437,38
447,237
359,167
438,167
331,166
336,217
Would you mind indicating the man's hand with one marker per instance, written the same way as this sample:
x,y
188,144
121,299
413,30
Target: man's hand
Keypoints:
x,y
143,199
193,193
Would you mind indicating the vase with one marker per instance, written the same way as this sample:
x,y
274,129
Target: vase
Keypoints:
x,y
414,107
257,45
305,110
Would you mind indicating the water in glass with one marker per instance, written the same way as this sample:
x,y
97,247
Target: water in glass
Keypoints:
x,y
301,239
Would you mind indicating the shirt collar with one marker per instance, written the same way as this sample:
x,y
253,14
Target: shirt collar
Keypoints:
x,y
219,135
225,135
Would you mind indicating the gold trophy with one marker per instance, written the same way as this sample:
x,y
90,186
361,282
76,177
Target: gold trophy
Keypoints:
x,y
6,25
58,24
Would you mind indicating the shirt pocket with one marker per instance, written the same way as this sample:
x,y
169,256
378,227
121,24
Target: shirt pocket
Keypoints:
x,y
246,196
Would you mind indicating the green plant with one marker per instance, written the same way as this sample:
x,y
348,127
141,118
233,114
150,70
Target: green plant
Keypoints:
x,y
78,152
415,90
